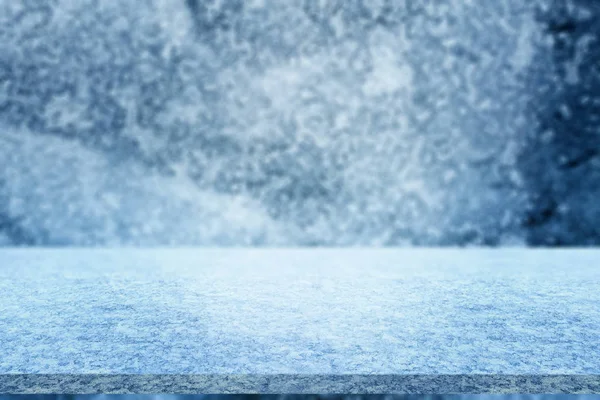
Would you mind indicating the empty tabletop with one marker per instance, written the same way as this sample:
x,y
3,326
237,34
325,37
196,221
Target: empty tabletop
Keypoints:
x,y
299,320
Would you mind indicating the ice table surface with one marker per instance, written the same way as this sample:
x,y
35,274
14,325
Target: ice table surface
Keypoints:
x,y
299,321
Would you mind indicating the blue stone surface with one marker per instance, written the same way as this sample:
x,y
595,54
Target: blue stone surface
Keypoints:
x,y
298,320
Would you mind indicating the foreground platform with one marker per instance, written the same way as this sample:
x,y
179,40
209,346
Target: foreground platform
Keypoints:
x,y
299,321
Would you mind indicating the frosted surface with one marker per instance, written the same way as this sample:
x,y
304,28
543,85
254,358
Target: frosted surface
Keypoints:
x,y
325,312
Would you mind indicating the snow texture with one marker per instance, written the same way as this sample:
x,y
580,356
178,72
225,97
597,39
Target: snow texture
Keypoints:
x,y
300,311
313,122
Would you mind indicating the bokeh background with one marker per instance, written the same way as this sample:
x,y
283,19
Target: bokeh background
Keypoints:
x,y
299,123
303,397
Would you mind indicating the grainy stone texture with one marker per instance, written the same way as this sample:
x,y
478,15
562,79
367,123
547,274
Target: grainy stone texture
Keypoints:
x,y
313,122
300,321
300,397
298,384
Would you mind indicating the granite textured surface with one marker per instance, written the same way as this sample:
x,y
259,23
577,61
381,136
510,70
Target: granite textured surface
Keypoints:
x,y
299,321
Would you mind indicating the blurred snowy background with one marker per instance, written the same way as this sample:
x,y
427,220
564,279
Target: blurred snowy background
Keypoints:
x,y
302,397
299,122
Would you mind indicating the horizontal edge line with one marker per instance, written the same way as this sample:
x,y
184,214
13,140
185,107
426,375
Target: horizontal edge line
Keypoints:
x,y
295,383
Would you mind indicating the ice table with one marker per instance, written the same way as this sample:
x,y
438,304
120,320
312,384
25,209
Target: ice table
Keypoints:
x,y
299,321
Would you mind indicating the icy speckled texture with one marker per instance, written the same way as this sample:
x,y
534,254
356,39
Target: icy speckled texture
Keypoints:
x,y
331,122
561,162
320,312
